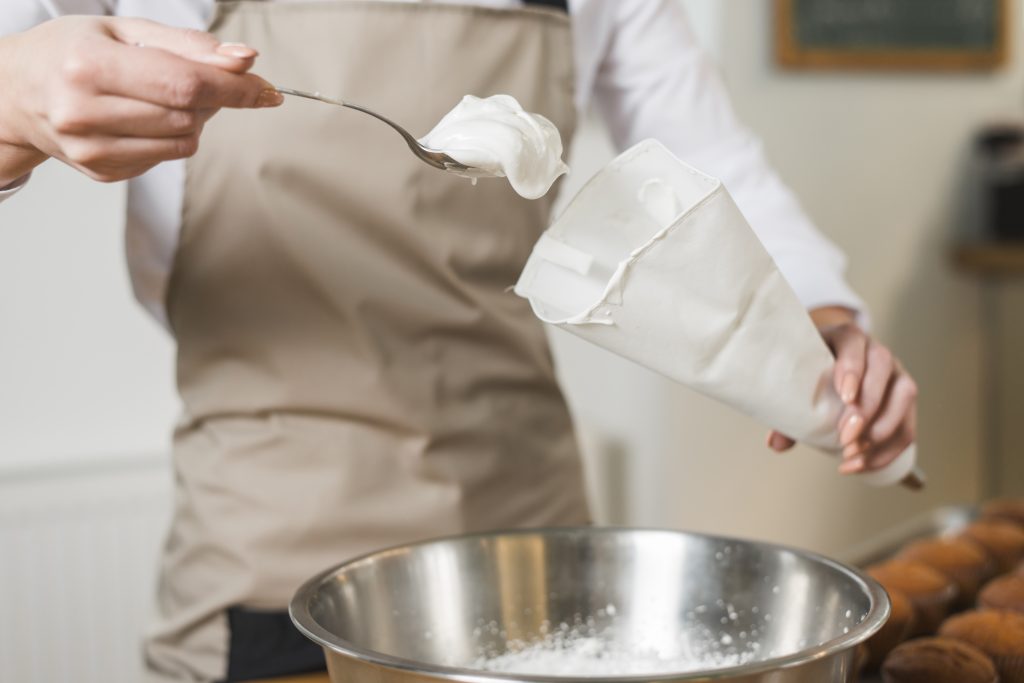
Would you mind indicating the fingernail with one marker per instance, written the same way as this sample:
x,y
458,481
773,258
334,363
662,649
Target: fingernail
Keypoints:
x,y
850,429
269,98
236,50
852,465
848,389
855,448
776,442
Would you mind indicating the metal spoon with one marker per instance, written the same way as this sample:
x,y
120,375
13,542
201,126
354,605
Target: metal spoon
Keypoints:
x,y
430,156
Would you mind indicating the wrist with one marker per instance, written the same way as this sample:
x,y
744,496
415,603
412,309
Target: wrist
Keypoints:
x,y
17,162
832,316
17,156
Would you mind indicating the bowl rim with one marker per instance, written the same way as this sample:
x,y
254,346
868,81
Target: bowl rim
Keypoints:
x,y
878,613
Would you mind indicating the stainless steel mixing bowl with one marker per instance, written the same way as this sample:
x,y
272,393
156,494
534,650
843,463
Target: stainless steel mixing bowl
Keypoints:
x,y
427,612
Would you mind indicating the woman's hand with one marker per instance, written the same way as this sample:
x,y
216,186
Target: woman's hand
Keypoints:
x,y
880,419
113,97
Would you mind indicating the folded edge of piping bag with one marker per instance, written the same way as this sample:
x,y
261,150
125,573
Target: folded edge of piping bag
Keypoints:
x,y
652,254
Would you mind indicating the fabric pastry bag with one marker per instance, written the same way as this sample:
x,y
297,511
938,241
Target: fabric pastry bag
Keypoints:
x,y
653,260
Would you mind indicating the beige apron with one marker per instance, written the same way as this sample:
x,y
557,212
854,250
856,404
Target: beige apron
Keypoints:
x,y
353,370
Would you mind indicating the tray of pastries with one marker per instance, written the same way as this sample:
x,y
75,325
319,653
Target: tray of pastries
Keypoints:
x,y
956,580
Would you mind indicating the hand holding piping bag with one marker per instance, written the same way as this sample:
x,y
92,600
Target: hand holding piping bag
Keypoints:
x,y
880,418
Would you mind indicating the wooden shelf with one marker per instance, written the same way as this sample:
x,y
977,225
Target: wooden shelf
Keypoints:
x,y
990,259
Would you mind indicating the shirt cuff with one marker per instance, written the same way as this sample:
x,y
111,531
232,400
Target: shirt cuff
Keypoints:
x,y
8,190
817,287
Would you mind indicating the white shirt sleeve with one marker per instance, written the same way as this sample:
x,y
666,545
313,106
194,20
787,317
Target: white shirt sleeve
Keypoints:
x,y
19,15
654,81
23,14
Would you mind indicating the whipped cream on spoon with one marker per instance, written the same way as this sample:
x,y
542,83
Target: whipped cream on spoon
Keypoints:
x,y
480,138
496,137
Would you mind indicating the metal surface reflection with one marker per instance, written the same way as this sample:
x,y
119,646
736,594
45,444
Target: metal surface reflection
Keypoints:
x,y
428,611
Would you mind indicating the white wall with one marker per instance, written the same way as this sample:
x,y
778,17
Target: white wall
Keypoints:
x,y
83,371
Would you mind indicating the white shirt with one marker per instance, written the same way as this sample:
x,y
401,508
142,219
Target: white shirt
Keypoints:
x,y
637,62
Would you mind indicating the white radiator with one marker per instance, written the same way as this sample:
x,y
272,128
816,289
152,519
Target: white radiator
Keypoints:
x,y
78,549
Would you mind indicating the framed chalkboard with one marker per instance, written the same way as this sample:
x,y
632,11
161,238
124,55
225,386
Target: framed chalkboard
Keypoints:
x,y
892,34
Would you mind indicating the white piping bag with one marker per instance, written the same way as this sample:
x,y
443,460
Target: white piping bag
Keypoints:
x,y
653,260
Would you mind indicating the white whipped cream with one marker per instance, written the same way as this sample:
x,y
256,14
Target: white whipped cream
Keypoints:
x,y
496,137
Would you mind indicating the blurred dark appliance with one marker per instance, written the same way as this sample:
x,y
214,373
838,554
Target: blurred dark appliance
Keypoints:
x,y
1000,154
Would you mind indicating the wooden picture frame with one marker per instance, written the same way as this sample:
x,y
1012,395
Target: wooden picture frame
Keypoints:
x,y
791,53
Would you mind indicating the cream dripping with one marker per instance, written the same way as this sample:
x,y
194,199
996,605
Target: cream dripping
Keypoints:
x,y
496,137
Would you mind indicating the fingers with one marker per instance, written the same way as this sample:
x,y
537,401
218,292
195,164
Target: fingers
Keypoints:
x,y
888,403
880,456
108,115
197,46
880,417
161,77
879,420
115,96
109,159
851,424
892,431
900,405
849,344
779,442
877,377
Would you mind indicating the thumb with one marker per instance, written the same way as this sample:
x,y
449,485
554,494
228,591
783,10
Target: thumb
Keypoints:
x,y
198,46
850,346
779,442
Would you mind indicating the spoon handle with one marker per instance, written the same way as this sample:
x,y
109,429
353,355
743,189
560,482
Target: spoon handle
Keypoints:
x,y
432,157
310,96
